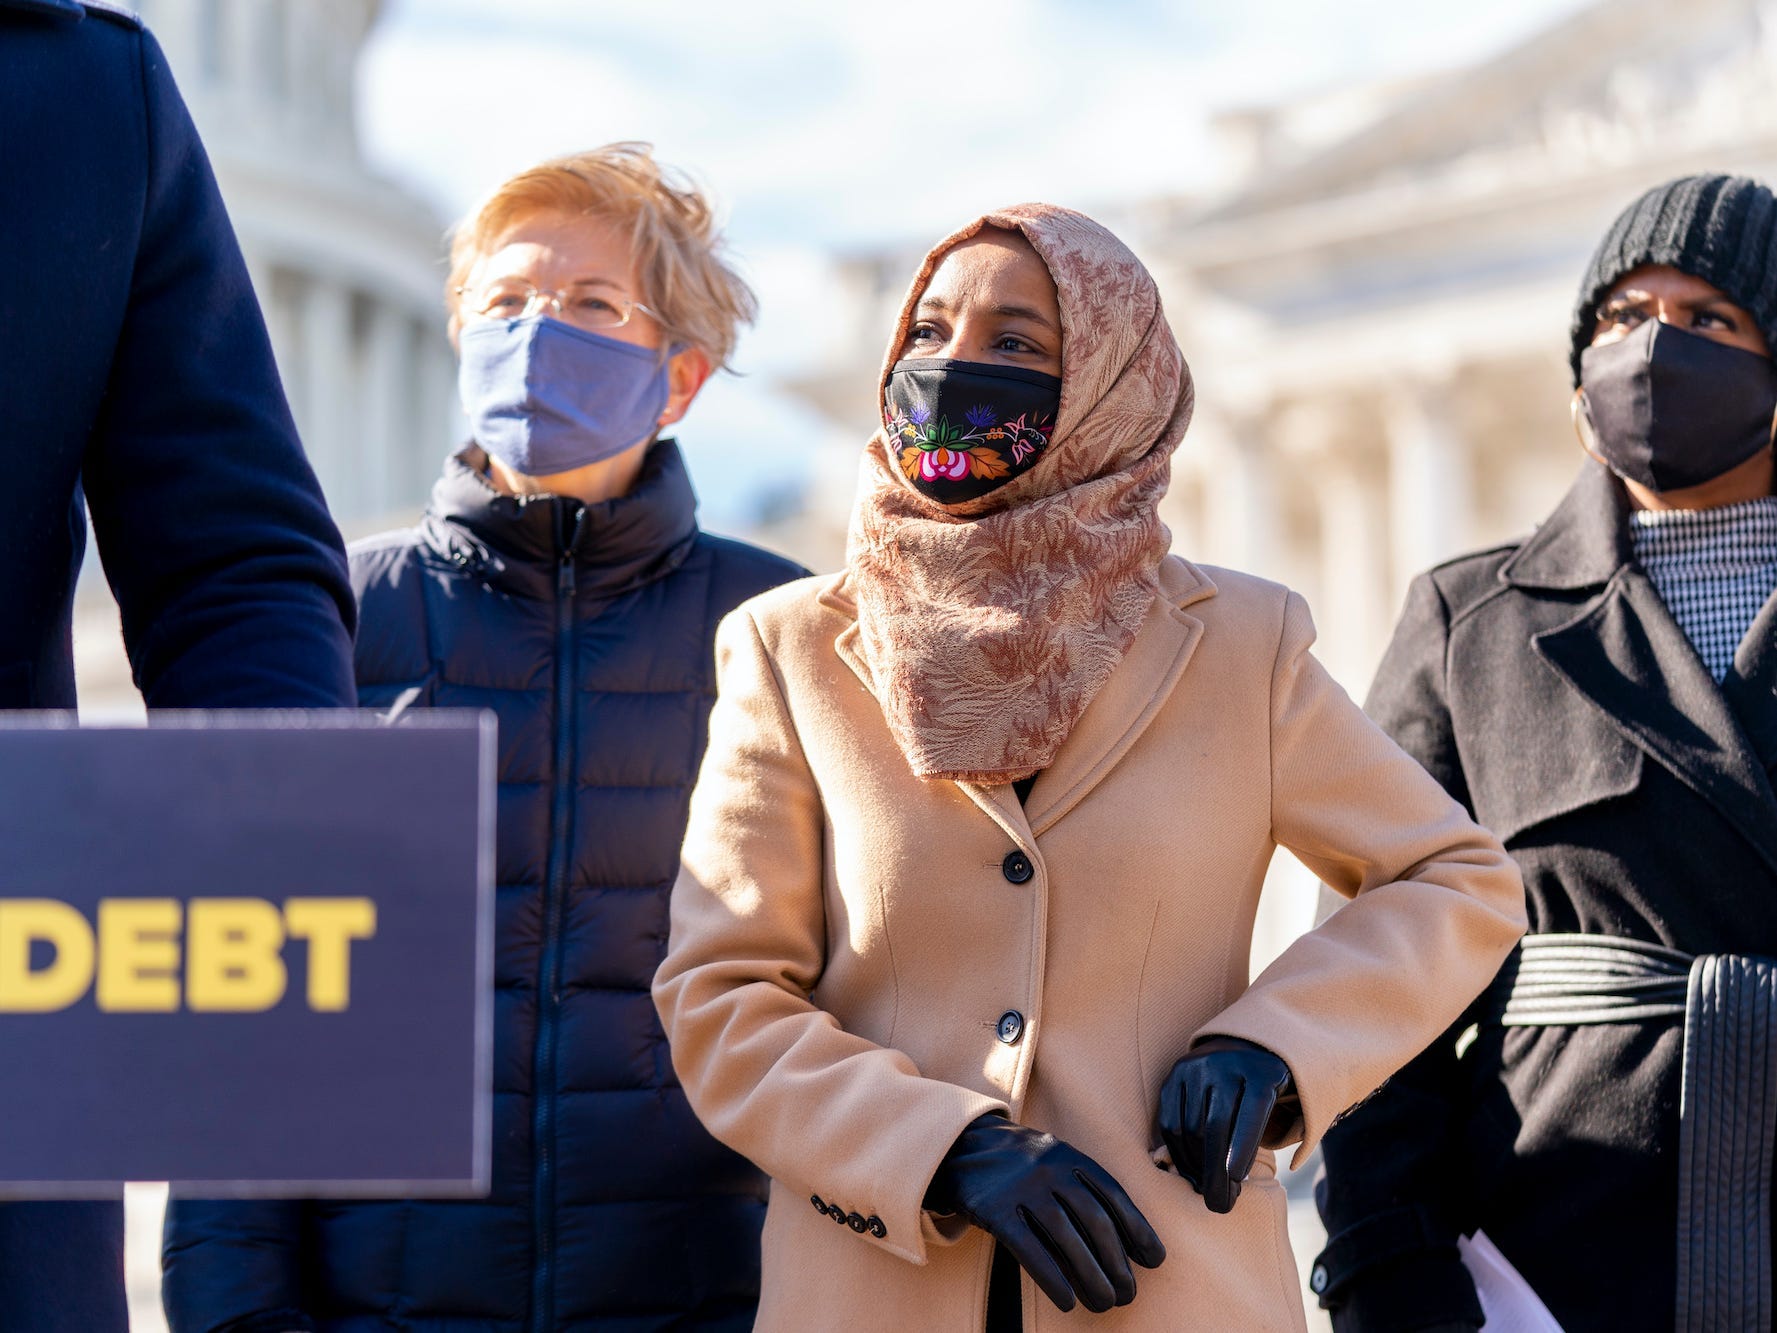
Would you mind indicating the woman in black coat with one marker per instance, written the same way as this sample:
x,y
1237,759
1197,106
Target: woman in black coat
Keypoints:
x,y
1602,697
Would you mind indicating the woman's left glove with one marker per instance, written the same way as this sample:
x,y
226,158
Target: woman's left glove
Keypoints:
x,y
1218,1106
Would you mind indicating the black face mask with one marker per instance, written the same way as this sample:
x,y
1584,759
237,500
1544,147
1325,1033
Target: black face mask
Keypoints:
x,y
1671,409
959,429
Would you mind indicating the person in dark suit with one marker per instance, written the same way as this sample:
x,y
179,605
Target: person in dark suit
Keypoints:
x,y
1603,696
138,382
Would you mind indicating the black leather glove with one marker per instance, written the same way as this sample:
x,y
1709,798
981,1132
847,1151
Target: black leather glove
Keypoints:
x,y
1058,1212
1218,1106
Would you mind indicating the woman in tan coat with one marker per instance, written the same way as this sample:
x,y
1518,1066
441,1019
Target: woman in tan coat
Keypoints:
x,y
959,945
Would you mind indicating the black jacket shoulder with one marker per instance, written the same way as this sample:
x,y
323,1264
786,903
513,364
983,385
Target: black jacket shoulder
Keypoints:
x,y
389,573
743,565
374,559
1466,581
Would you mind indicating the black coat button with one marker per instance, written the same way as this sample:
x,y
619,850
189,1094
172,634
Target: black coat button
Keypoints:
x,y
820,1204
1011,1027
877,1229
856,1223
837,1214
1017,867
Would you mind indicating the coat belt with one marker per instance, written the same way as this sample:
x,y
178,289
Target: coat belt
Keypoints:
x,y
1728,1102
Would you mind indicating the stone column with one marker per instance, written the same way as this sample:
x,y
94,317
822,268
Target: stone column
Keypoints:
x,y
283,321
445,429
328,404
1430,487
346,23
1242,504
243,63
390,422
1355,595
302,73
1326,448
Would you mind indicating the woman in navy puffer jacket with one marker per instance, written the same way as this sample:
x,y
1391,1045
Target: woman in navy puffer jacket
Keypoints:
x,y
558,578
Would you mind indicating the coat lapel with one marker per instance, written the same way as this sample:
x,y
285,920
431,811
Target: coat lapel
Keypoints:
x,y
1130,699
836,596
1751,684
999,802
1626,655
1112,722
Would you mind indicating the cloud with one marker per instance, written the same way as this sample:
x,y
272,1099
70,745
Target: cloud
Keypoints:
x,y
843,124
848,125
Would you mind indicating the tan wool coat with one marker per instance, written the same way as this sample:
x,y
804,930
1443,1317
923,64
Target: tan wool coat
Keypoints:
x,y
854,973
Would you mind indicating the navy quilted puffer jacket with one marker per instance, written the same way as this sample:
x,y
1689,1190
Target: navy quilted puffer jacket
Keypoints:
x,y
589,631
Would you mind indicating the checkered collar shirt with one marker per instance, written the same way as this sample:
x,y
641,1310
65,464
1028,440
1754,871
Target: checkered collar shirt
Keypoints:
x,y
1714,568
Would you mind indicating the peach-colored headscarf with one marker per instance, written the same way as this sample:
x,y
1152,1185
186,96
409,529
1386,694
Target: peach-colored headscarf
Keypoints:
x,y
989,626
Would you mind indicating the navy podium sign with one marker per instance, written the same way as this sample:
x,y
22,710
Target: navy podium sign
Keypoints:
x,y
249,953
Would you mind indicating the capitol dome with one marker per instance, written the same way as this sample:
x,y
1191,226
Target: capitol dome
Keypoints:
x,y
349,267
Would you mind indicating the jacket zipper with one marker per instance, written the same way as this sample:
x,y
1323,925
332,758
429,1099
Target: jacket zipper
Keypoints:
x,y
561,838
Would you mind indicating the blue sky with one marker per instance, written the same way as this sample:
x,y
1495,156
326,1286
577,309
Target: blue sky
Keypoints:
x,y
832,128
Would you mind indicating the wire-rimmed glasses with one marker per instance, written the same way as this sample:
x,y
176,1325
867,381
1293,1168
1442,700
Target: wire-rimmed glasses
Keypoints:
x,y
592,306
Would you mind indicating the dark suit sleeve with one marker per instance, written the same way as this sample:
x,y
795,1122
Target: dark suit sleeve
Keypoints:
x,y
1391,1261
233,1267
230,575
215,538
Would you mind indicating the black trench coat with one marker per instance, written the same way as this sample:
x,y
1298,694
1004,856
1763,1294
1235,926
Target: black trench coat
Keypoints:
x,y
1548,688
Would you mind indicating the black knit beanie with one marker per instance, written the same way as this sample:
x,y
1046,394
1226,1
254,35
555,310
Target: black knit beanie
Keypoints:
x,y
1722,229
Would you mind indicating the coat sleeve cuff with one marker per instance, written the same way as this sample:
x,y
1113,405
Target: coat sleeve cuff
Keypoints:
x,y
1396,1270
1411,1295
921,1228
893,1216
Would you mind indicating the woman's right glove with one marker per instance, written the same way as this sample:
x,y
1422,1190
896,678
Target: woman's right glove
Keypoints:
x,y
1058,1212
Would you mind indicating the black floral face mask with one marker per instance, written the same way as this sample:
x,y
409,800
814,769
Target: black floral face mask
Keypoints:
x,y
959,429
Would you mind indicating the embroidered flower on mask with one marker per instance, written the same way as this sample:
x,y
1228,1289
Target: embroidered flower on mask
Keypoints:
x,y
939,451
1027,437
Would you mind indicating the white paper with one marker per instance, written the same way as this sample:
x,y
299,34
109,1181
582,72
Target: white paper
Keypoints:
x,y
1506,1298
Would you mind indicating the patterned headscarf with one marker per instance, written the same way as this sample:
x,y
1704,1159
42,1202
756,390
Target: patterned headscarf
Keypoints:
x,y
989,626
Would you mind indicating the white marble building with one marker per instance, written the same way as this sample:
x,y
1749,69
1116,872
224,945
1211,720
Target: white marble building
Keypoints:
x,y
1379,322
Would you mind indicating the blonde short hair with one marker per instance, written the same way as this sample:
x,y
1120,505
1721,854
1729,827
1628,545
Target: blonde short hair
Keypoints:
x,y
678,250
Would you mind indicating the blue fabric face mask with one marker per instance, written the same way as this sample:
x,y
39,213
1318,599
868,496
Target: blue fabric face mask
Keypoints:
x,y
545,397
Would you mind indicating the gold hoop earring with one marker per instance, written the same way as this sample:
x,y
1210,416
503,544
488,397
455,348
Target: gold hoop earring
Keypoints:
x,y
1587,438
